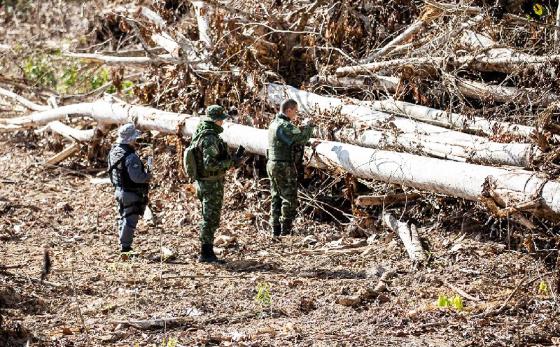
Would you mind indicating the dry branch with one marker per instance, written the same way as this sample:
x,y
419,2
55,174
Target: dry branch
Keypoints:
x,y
385,200
408,235
160,323
203,14
413,29
25,102
68,132
65,153
468,181
434,45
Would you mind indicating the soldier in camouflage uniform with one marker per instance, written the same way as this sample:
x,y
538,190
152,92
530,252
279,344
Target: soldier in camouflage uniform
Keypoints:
x,y
213,160
130,179
285,140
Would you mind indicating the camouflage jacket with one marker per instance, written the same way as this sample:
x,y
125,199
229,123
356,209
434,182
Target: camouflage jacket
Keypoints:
x,y
213,159
283,136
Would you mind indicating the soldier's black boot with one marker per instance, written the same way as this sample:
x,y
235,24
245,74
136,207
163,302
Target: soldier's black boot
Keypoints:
x,y
127,253
207,255
287,228
276,230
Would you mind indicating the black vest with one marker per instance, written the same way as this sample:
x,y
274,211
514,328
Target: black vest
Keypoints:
x,y
118,173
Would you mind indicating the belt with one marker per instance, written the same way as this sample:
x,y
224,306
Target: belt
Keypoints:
x,y
211,178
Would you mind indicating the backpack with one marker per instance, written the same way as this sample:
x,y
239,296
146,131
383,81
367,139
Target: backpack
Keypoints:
x,y
191,155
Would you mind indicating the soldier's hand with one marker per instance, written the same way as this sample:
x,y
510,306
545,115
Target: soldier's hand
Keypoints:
x,y
315,143
308,122
240,152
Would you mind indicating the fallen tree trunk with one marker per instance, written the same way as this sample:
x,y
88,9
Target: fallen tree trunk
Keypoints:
x,y
495,58
471,89
444,118
378,82
469,181
482,62
406,133
485,92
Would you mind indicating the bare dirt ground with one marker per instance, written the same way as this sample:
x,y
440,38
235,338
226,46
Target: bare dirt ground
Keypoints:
x,y
327,285
92,298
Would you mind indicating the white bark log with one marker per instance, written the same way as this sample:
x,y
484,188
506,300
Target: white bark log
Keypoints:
x,y
484,62
413,136
408,235
67,132
450,119
153,17
166,42
378,82
184,50
485,92
116,60
471,89
203,14
468,181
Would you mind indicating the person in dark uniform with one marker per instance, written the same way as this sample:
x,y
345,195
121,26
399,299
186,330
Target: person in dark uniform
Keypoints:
x,y
130,179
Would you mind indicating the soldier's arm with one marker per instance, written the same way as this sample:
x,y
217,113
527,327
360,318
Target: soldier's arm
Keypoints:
x,y
135,169
211,155
293,135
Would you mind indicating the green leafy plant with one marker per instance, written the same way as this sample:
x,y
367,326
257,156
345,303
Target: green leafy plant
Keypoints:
x,y
443,301
543,288
99,79
127,87
457,302
446,302
263,297
169,342
69,78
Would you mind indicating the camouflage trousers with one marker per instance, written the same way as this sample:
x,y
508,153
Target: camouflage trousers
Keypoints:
x,y
283,191
211,195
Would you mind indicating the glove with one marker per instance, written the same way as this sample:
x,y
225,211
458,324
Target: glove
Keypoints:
x,y
238,156
150,163
308,122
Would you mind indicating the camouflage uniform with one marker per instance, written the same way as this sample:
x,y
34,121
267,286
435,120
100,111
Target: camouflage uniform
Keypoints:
x,y
284,140
214,161
130,179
